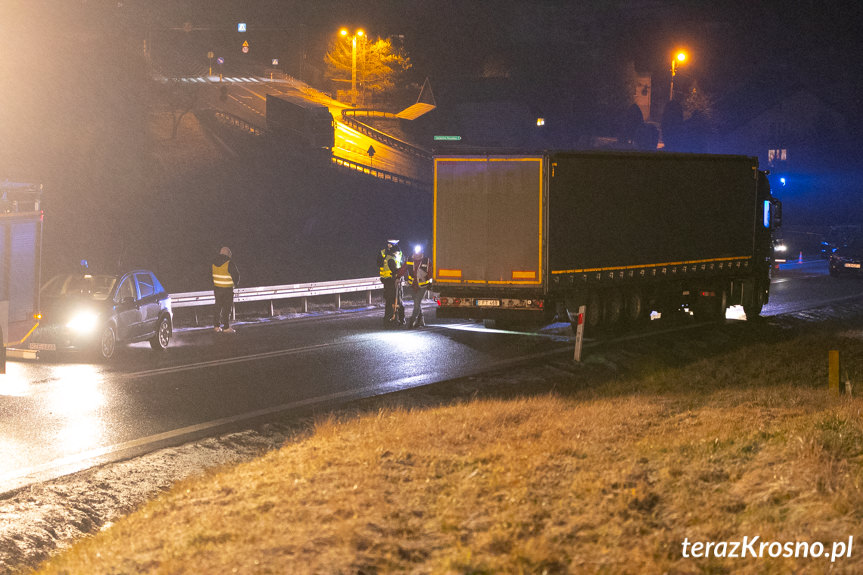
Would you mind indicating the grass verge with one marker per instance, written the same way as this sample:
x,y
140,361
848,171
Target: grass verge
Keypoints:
x,y
610,472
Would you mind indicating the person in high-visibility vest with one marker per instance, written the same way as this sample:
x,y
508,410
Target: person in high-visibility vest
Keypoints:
x,y
419,281
391,272
226,277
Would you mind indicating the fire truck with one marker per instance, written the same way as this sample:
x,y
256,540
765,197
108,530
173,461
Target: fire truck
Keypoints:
x,y
20,264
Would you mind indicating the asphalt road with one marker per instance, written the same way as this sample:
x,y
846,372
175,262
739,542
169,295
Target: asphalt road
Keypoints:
x,y
63,414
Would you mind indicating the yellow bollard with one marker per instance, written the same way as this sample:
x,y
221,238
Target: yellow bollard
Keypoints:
x,y
833,372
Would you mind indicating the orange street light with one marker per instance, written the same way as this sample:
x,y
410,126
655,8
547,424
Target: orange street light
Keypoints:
x,y
680,57
359,34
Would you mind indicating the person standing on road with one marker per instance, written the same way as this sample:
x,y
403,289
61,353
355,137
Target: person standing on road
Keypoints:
x,y
226,277
419,280
390,268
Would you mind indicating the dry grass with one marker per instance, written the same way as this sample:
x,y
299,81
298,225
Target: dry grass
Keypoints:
x,y
608,478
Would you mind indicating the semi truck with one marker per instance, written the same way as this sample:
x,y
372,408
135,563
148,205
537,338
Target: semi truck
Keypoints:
x,y
20,262
525,238
302,124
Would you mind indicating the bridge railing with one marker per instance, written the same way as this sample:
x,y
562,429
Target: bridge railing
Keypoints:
x,y
380,174
349,117
271,294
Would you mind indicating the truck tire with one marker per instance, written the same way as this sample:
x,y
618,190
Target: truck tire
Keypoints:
x,y
593,314
754,302
634,308
612,311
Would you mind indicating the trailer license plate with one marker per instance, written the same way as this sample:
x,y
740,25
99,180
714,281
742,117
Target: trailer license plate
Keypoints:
x,y
43,346
488,302
852,266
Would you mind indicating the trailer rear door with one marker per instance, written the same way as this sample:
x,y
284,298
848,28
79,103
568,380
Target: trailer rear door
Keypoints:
x,y
489,220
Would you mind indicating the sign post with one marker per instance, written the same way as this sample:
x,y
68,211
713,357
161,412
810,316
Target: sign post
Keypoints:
x,y
833,372
579,333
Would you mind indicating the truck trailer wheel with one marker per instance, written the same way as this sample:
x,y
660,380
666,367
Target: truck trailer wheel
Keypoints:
x,y
634,309
593,314
612,311
754,302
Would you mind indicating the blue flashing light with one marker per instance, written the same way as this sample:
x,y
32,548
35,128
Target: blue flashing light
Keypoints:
x,y
782,181
766,213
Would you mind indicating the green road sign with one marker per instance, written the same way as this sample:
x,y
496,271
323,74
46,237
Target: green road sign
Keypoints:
x,y
448,138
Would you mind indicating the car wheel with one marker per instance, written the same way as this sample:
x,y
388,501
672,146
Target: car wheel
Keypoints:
x,y
108,342
163,334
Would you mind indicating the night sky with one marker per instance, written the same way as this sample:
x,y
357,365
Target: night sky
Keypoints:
x,y
73,101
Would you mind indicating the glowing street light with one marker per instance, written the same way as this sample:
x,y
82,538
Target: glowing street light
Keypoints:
x,y
680,57
359,34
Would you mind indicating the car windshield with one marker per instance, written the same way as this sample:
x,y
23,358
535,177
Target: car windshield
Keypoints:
x,y
96,287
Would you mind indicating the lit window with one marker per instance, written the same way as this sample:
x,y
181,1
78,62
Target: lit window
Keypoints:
x,y
777,155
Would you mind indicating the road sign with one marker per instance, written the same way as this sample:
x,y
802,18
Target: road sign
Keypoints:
x,y
448,138
246,47
371,151
275,61
210,55
220,60
241,27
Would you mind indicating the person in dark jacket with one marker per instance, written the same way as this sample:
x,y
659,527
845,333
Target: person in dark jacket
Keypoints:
x,y
419,281
226,277
390,267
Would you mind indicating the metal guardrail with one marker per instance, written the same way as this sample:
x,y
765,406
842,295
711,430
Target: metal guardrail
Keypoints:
x,y
380,174
272,293
237,122
349,117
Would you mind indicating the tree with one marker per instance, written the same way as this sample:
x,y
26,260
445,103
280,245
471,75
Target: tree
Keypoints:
x,y
380,65
179,99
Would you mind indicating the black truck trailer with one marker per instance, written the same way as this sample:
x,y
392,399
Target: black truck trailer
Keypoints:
x,y
522,238
303,125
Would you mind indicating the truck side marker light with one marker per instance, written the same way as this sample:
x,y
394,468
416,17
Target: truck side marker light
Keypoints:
x,y
523,275
449,273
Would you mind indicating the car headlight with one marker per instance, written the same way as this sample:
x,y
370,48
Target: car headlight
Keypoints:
x,y
83,322
781,248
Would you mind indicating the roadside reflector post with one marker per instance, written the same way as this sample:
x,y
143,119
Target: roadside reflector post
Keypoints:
x,y
833,372
579,333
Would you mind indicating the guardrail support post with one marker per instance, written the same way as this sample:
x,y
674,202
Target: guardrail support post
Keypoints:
x,y
338,301
305,305
272,311
369,297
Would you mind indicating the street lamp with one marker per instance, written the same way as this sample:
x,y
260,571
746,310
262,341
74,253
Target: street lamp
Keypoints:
x,y
681,58
359,34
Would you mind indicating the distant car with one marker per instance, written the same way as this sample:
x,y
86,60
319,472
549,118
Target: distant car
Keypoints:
x,y
97,312
847,259
838,237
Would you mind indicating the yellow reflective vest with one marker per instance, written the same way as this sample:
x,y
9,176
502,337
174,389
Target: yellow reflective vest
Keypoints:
x,y
385,270
221,276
